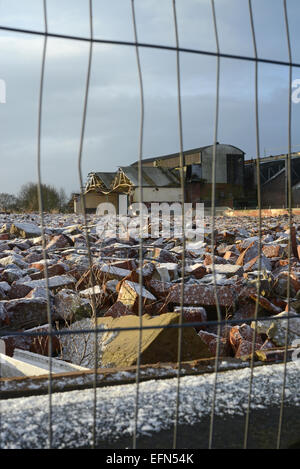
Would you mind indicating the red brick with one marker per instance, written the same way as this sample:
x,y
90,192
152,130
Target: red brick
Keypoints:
x,y
245,311
56,269
266,304
282,262
272,250
33,257
132,277
198,271
239,334
158,288
35,344
18,291
217,260
246,348
193,314
294,242
279,302
58,242
202,295
117,309
212,341
24,312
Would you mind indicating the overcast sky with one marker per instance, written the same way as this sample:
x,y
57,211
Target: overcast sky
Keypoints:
x,y
112,131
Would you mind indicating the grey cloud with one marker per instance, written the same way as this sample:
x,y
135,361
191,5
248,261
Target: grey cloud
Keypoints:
x,y
112,131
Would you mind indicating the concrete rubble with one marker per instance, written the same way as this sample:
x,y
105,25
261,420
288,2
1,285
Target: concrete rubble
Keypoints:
x,y
208,285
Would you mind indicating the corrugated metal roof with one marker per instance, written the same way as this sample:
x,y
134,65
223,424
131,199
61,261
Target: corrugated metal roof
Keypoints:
x,y
151,176
172,155
185,152
106,178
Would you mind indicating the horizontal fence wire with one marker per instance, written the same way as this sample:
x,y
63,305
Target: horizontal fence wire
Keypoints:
x,y
152,46
219,322
223,322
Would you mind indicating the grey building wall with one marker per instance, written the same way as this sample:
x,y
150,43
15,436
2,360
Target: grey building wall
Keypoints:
x,y
222,164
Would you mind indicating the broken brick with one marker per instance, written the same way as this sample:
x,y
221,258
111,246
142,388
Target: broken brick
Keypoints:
x,y
212,341
266,304
34,343
117,310
58,242
197,270
129,295
52,270
202,295
294,242
272,250
245,349
24,313
158,288
193,314
241,334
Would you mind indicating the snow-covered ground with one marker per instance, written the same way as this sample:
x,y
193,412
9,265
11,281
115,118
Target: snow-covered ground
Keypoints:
x,y
24,421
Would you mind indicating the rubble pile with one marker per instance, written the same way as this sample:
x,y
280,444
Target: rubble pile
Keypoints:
x,y
109,294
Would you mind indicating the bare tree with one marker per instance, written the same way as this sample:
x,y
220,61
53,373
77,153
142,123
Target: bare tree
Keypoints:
x,y
52,198
8,202
63,200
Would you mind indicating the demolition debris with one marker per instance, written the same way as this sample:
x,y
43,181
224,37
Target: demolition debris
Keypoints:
x,y
243,279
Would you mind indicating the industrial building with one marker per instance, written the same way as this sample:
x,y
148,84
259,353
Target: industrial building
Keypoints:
x,y
273,173
161,179
235,180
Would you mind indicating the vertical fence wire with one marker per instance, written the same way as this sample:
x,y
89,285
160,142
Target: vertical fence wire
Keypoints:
x,y
289,193
212,223
182,185
140,182
254,337
86,229
41,210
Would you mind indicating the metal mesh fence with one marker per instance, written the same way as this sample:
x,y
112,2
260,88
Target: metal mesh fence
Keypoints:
x,y
220,321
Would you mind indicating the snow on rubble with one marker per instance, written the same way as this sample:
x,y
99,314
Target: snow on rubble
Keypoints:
x,y
109,288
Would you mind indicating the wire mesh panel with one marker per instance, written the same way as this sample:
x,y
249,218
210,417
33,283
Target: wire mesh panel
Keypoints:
x,y
232,305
